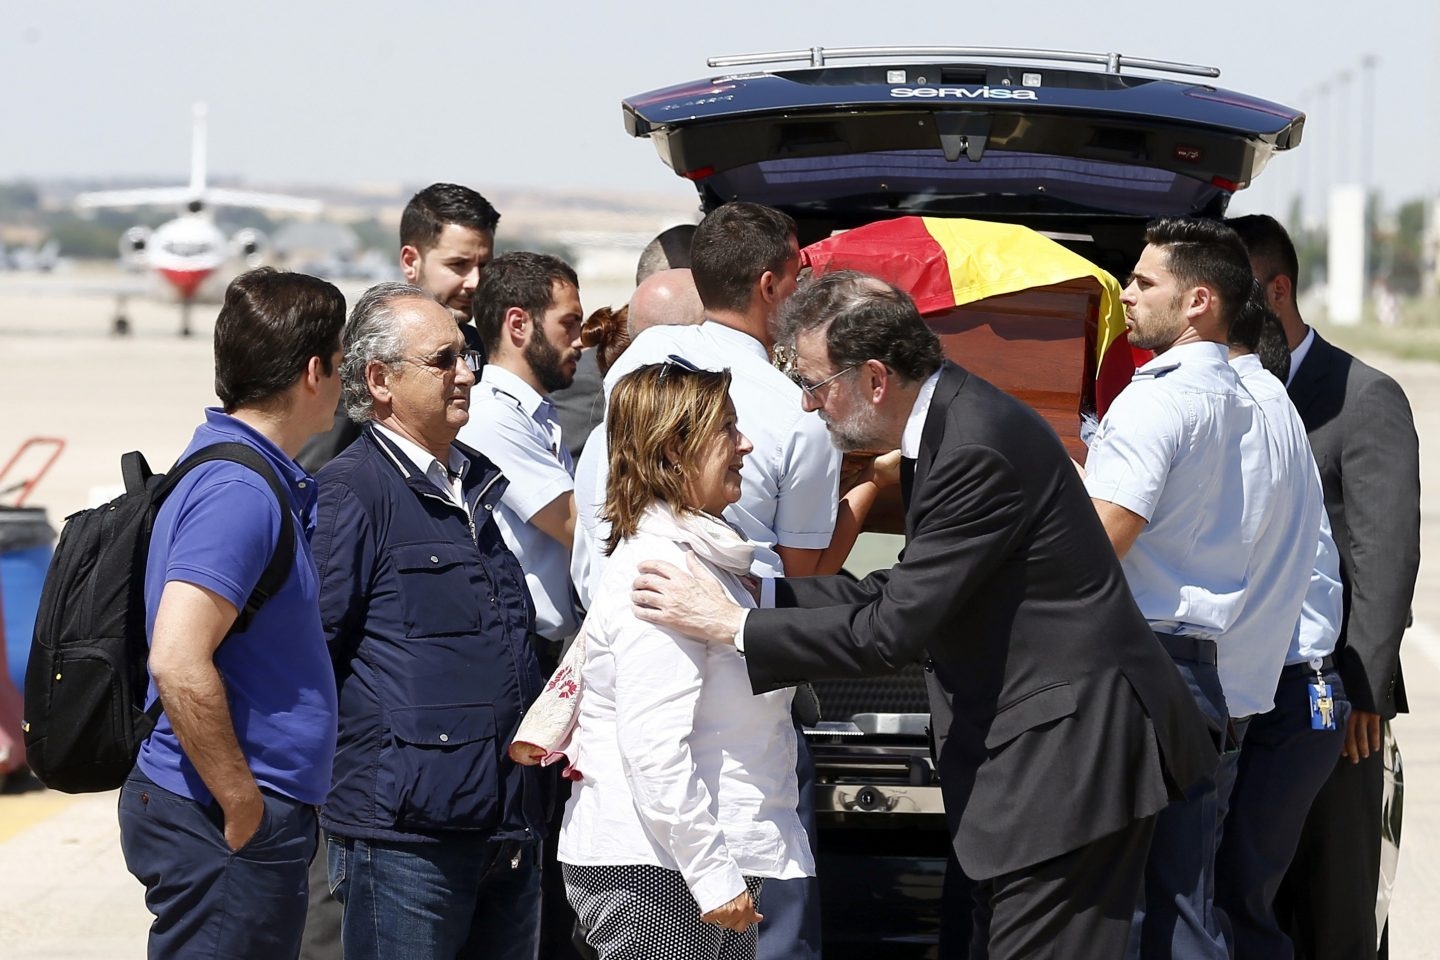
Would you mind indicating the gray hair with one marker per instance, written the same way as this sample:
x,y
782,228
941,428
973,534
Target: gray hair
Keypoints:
x,y
372,334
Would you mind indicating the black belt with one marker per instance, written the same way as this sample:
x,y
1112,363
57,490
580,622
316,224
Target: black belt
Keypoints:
x,y
1303,668
1195,649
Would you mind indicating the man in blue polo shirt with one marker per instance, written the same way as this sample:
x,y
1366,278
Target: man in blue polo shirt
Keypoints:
x,y
218,817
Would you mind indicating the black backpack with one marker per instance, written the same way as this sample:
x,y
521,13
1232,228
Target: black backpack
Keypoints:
x,y
86,681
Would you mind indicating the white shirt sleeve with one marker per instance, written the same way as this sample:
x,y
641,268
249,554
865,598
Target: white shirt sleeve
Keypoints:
x,y
809,488
1133,449
657,687
503,432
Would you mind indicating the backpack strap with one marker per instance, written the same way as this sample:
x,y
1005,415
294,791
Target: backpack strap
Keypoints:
x,y
277,571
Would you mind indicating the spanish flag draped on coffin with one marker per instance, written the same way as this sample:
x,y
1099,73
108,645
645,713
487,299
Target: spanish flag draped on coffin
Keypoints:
x,y
1035,319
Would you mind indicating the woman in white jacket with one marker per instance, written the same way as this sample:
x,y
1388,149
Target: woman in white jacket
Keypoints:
x,y
686,797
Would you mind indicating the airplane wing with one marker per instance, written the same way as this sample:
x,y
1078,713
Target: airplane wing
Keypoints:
x,y
266,201
142,197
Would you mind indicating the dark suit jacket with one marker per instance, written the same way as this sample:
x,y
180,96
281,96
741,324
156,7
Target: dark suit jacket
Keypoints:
x,y
1364,439
1070,720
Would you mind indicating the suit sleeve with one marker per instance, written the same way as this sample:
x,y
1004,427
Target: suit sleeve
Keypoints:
x,y
828,591
1380,484
970,514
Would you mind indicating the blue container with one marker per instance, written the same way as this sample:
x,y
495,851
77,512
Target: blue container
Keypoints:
x,y
26,542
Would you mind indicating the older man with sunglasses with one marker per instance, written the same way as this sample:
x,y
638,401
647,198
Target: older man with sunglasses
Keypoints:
x,y
433,834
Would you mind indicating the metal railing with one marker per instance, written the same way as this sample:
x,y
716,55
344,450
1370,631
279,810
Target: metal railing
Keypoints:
x,y
821,56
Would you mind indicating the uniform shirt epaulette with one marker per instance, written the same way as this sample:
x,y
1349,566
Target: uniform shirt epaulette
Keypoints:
x,y
1155,373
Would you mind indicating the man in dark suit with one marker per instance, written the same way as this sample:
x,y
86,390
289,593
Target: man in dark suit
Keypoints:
x,y
1071,728
1363,435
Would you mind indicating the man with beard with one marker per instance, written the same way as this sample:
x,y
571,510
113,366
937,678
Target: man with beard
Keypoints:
x,y
1206,495
1070,728
527,311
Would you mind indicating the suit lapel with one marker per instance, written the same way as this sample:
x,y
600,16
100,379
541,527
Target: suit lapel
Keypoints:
x,y
1309,380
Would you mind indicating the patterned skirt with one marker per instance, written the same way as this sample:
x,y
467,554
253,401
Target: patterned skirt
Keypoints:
x,y
644,912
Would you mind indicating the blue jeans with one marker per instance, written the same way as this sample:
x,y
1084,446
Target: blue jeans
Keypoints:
x,y
463,897
208,900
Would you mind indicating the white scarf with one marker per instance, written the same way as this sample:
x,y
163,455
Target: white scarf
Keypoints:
x,y
547,732
712,539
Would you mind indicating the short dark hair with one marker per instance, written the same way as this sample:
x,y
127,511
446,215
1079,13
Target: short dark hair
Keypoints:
x,y
869,320
439,205
1206,253
733,247
522,279
269,327
1269,247
670,250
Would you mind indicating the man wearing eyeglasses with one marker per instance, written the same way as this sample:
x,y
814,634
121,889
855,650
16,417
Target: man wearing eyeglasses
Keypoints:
x,y
433,834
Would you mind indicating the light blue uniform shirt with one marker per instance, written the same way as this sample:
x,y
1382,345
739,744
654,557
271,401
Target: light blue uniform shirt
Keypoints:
x,y
1288,504
1168,449
790,483
517,429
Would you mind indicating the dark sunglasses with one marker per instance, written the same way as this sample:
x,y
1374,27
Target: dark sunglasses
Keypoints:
x,y
445,360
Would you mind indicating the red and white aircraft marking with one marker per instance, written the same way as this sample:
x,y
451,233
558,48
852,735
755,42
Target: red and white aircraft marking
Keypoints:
x,y
189,249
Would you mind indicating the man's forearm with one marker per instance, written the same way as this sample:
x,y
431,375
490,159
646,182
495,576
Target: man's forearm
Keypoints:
x,y
194,699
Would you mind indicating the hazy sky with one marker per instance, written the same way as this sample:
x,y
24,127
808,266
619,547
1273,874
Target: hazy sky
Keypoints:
x,y
528,93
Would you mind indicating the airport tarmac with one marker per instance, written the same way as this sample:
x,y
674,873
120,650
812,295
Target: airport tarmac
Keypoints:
x,y
64,890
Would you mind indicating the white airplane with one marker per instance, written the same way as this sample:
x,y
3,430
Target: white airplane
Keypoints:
x,y
189,249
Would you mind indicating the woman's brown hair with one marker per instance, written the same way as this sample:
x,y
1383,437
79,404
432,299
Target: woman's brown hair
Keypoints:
x,y
659,420
608,332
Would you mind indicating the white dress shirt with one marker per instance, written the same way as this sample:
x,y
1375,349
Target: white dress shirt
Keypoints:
x,y
447,479
682,766
517,429
1297,356
790,483
1288,507
1169,450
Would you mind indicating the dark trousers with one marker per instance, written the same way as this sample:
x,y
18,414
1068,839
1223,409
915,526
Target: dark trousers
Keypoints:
x,y
791,930
1079,904
1176,916
209,901
1283,764
1327,900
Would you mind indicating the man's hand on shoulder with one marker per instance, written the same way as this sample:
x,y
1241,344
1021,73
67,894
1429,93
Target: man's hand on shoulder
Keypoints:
x,y
689,603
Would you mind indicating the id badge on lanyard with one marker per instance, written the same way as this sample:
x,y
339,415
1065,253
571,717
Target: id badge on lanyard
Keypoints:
x,y
1322,702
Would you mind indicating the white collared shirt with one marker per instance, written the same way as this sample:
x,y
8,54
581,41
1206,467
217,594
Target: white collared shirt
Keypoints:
x,y
790,483
447,479
915,423
1297,356
1169,450
1288,507
517,429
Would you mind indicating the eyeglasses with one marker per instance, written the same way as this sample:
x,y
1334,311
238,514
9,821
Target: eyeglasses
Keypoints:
x,y
675,360
445,360
812,389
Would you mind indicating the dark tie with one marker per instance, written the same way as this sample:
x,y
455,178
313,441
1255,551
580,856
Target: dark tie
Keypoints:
x,y
907,479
